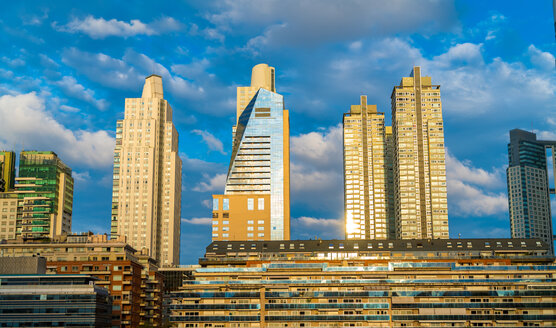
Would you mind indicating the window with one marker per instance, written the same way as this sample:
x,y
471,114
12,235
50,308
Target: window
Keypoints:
x,y
260,228
117,277
224,235
249,228
225,222
260,222
225,204
250,204
260,204
118,287
261,234
249,221
215,204
249,235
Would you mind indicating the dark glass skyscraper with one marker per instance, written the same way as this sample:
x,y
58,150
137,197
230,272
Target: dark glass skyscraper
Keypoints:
x,y
528,187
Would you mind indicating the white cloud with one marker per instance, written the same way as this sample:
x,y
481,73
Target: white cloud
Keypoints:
x,y
215,183
319,148
129,72
464,171
69,109
25,122
461,55
474,191
212,142
72,88
81,176
541,59
319,227
316,169
100,28
288,24
198,221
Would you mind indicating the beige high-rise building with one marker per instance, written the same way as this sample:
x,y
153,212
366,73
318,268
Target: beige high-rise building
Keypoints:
x,y
256,200
421,207
365,173
146,198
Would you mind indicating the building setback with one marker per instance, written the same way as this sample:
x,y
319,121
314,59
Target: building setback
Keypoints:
x,y
528,187
421,208
146,197
370,283
256,200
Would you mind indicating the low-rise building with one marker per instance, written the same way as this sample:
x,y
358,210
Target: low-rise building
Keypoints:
x,y
370,283
131,278
28,300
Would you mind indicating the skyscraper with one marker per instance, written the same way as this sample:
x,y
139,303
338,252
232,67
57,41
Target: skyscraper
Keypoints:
x,y
256,201
7,170
146,198
365,173
421,207
45,192
528,187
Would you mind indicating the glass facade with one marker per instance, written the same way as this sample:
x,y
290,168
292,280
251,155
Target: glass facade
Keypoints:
x,y
53,301
528,187
257,164
283,284
45,191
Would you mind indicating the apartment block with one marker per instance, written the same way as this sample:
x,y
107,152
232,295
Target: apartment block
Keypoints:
x,y
44,193
259,168
131,278
421,208
366,193
370,283
528,186
146,197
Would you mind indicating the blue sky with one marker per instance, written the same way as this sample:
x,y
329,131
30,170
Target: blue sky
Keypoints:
x,y
65,71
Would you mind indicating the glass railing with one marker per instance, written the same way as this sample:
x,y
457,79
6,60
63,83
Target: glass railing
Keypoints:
x,y
364,281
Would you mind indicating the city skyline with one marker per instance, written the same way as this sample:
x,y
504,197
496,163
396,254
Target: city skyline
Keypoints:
x,y
496,75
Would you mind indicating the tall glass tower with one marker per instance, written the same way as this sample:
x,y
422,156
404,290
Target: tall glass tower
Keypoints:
x,y
528,187
256,200
146,197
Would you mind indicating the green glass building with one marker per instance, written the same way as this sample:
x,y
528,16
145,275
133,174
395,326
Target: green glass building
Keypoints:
x,y
45,194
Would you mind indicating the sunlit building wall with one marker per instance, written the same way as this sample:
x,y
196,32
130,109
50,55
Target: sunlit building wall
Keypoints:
x,y
256,200
365,173
146,198
421,207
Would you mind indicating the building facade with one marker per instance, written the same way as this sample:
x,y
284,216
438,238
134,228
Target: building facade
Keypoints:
x,y
258,181
421,207
131,278
528,187
370,283
44,187
366,193
7,170
146,198
28,300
